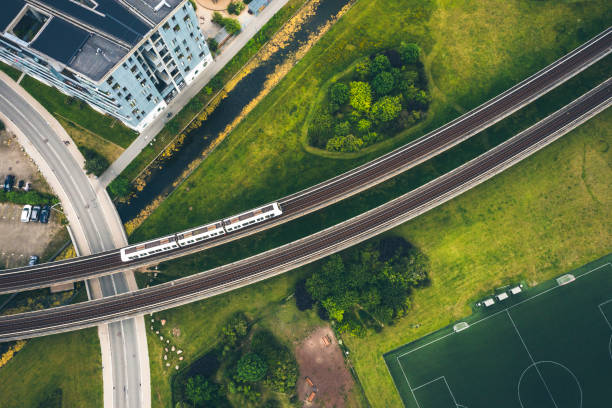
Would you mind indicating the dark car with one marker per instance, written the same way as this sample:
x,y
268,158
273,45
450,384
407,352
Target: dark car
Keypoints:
x,y
45,212
21,184
33,260
9,181
35,213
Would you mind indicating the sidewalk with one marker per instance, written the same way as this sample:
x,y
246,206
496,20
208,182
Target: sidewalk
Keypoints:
x,y
229,51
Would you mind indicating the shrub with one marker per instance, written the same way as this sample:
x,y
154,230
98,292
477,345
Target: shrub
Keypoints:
x,y
409,53
363,69
251,368
363,126
360,96
198,390
218,18
320,129
348,143
380,64
387,108
339,93
303,300
94,162
120,187
213,45
232,26
383,83
235,7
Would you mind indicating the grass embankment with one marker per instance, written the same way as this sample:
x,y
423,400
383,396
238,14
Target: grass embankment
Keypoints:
x,y
84,138
14,73
70,362
195,106
78,112
264,158
548,215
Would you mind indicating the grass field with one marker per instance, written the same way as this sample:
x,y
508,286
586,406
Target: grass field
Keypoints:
x,y
10,71
68,361
546,347
79,112
265,158
84,138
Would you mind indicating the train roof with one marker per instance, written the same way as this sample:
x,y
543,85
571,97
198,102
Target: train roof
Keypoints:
x,y
249,214
149,244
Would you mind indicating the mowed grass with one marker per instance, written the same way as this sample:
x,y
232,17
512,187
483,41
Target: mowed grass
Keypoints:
x,y
472,52
545,216
79,112
69,361
560,327
14,73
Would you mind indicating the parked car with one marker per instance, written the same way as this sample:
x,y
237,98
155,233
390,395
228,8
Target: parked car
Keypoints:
x,y
33,260
45,212
28,186
35,213
9,181
21,184
25,213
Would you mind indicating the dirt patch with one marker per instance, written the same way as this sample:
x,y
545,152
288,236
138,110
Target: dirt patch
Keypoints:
x,y
20,240
323,364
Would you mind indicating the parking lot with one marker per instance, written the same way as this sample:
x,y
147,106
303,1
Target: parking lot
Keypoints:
x,y
18,241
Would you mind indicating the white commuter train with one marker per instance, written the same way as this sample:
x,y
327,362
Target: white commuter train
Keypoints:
x,y
192,236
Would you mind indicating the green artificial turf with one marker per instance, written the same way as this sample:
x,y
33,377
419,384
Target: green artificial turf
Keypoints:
x,y
544,347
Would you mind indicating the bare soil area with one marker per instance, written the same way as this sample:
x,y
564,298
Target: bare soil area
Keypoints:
x,y
20,240
323,364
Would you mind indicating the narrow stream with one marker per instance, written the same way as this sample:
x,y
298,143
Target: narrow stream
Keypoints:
x,y
161,179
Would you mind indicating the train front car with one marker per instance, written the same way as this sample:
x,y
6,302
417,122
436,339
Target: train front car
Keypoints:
x,y
251,217
198,234
149,248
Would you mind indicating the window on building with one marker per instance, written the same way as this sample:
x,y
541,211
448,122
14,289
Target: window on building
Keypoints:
x,y
110,80
184,42
176,28
201,55
166,26
134,69
149,97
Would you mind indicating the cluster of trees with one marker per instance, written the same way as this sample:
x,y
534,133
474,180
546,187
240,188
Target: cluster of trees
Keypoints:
x,y
94,162
382,95
248,366
366,286
231,25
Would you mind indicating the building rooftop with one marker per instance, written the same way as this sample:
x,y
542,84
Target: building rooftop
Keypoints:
x,y
89,36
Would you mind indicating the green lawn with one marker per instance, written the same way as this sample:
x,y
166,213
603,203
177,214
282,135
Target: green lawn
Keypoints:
x,y
68,361
10,71
566,329
472,52
74,110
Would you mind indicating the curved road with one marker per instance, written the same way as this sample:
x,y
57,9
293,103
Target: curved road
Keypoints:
x,y
316,246
346,184
96,226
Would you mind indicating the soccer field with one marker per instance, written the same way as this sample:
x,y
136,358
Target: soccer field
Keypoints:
x,y
547,347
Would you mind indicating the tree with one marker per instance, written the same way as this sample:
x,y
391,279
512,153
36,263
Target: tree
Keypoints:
x,y
348,143
198,390
217,18
380,63
383,83
360,95
387,108
303,300
94,162
363,126
251,368
416,98
235,7
363,69
232,26
321,128
213,45
409,53
120,187
339,93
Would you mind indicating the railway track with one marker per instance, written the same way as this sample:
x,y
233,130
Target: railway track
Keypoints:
x,y
315,246
342,186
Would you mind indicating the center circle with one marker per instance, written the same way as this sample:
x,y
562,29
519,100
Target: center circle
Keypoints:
x,y
549,384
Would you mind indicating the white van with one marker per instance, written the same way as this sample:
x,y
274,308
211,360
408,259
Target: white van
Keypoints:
x,y
25,213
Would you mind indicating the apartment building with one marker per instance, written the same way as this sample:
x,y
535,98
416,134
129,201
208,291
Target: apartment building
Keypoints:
x,y
125,58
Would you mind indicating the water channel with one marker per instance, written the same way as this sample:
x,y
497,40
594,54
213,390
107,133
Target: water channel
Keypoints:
x,y
160,181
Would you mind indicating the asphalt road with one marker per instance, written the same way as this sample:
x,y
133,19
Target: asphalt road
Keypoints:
x,y
91,218
316,246
344,185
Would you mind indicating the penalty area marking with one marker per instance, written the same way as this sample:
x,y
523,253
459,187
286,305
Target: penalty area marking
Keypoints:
x,y
443,378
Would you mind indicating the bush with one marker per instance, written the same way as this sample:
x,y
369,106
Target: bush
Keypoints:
x,y
198,390
360,96
363,69
251,368
21,197
213,45
303,300
409,53
363,126
383,83
232,26
235,7
320,129
348,143
218,18
342,129
387,108
120,187
339,93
